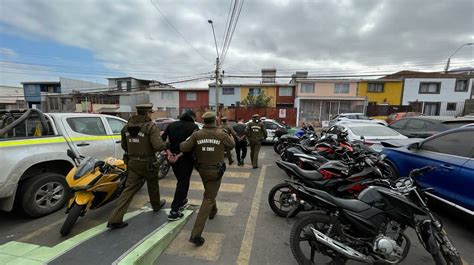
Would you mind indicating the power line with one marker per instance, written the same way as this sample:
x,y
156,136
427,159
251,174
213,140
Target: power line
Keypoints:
x,y
238,5
177,31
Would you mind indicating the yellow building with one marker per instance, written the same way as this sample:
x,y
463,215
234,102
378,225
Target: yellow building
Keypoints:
x,y
269,90
382,91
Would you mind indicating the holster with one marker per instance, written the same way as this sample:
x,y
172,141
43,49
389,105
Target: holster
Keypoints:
x,y
221,167
125,158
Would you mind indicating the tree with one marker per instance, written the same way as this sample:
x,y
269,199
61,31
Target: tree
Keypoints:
x,y
260,101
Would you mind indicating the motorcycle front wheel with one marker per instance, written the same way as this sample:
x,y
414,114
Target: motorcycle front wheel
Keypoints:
x,y
304,246
163,170
445,256
74,213
279,199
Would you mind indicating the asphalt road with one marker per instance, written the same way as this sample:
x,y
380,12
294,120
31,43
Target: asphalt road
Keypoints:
x,y
245,230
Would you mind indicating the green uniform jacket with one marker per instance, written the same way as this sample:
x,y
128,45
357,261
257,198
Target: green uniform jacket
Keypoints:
x,y
141,137
256,131
209,144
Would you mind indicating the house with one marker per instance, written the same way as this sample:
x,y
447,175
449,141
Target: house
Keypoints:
x,y
11,98
37,92
129,83
382,91
193,98
255,90
229,95
318,99
165,99
436,93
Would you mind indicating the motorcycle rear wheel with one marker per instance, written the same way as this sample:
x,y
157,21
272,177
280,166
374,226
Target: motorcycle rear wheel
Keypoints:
x,y
302,227
163,170
74,213
282,200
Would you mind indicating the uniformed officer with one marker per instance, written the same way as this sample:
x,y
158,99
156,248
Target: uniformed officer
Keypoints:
x,y
140,141
256,133
228,129
209,145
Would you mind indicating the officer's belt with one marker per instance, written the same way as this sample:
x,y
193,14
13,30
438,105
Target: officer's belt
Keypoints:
x,y
207,167
141,158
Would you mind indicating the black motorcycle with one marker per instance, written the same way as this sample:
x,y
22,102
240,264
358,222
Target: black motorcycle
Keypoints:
x,y
371,228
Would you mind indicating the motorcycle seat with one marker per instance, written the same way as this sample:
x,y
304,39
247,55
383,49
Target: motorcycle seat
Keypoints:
x,y
352,205
306,174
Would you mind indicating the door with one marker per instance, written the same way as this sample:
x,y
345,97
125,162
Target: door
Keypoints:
x,y
115,126
89,136
271,128
447,153
432,108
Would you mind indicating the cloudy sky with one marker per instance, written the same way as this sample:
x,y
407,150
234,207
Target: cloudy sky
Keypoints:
x,y
93,40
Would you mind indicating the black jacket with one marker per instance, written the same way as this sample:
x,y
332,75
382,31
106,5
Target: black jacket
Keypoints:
x,y
179,131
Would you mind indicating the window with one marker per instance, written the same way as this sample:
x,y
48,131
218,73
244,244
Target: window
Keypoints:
x,y
129,85
341,88
228,91
362,117
270,126
285,91
461,86
255,91
191,96
431,108
400,124
375,87
87,125
116,125
167,95
372,130
416,124
119,85
451,106
458,144
429,87
307,88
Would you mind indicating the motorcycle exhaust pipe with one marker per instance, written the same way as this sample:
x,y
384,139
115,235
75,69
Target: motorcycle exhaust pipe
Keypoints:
x,y
340,248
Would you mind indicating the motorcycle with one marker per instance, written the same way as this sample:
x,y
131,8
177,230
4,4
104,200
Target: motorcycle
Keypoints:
x,y
371,228
94,183
162,159
342,179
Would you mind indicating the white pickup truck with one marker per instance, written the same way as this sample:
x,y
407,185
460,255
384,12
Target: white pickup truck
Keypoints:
x,y
33,159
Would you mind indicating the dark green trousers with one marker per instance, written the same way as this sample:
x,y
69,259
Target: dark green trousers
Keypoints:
x,y
138,173
212,182
254,150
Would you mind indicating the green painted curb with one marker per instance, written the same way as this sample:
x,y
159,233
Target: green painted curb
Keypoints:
x,y
148,251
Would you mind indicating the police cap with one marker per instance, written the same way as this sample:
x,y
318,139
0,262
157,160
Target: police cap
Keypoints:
x,y
255,116
209,117
145,107
224,118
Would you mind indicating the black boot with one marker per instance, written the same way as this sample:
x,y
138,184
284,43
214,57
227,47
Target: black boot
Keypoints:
x,y
197,240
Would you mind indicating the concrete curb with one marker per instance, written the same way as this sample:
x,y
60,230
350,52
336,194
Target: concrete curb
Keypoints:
x,y
148,250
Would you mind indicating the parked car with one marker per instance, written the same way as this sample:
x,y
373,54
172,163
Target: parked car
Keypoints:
x,y
34,158
371,134
425,126
355,117
451,153
271,126
400,115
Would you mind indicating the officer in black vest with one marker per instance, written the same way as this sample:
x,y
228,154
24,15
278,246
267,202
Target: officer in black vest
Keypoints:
x,y
140,140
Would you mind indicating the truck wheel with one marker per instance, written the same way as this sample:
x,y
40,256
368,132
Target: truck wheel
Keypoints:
x,y
43,194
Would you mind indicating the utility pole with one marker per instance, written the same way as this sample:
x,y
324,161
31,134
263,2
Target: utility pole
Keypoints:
x,y
446,69
217,69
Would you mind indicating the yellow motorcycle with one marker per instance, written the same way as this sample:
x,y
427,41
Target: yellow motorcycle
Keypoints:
x,y
94,183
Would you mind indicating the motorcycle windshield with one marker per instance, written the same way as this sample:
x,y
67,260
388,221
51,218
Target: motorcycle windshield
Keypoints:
x,y
85,167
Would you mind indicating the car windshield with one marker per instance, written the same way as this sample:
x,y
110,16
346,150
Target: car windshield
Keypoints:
x,y
373,131
457,124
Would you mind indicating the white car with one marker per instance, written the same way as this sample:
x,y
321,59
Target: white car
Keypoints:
x,y
355,117
271,126
370,134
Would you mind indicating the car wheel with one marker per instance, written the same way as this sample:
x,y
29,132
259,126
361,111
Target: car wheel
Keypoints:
x,y
43,194
391,170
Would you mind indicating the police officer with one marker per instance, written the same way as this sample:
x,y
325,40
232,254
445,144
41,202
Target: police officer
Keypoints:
x,y
140,141
256,133
209,144
228,129
177,132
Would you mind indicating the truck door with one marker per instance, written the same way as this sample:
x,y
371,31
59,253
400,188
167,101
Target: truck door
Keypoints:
x,y
116,126
88,134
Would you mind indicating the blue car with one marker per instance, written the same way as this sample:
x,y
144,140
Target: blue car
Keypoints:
x,y
452,155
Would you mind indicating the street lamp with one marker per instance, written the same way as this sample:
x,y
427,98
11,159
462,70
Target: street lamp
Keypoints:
x,y
449,59
217,67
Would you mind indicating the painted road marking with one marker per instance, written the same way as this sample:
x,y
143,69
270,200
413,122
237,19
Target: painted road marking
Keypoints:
x,y
236,166
197,185
224,208
210,251
247,241
232,174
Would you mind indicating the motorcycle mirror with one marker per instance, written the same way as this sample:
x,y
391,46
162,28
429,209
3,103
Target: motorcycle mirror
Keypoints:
x,y
71,154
